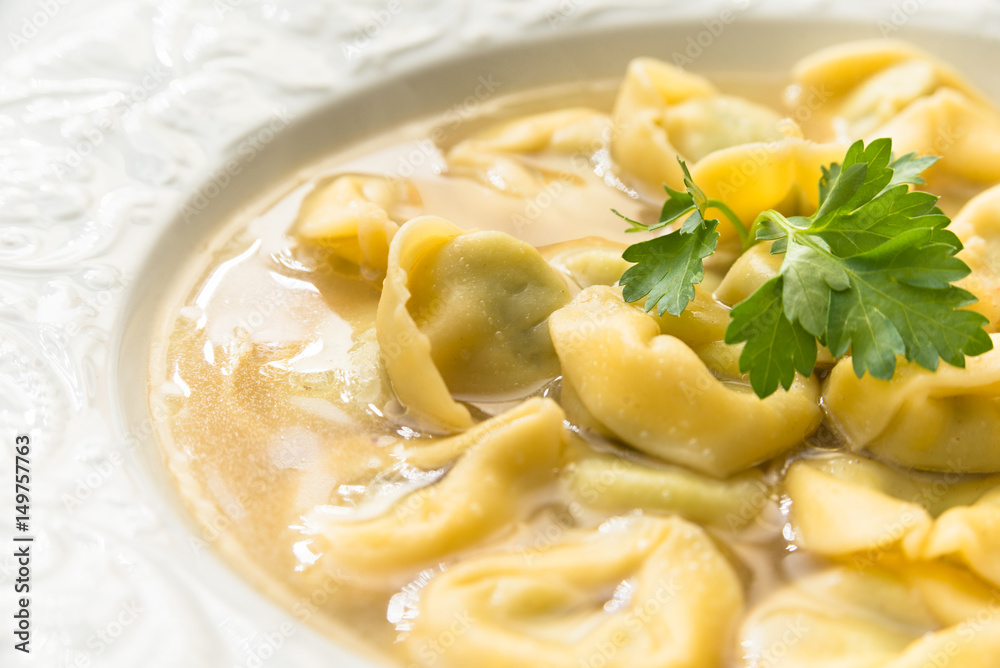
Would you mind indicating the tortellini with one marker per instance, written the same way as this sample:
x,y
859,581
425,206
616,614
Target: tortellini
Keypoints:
x,y
887,89
663,112
702,326
978,226
949,124
617,484
498,157
852,89
754,177
751,178
589,261
465,315
751,270
355,216
875,618
638,593
971,534
836,517
846,505
658,396
946,420
501,463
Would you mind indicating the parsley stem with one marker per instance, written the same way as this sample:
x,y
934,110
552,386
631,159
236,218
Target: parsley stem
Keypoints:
x,y
741,228
770,216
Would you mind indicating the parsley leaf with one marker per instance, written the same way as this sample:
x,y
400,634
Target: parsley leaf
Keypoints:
x,y
668,267
870,273
775,346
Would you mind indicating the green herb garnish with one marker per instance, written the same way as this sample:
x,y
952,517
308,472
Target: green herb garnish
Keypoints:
x,y
871,272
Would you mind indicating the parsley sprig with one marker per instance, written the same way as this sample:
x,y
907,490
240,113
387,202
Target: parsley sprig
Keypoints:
x,y
870,272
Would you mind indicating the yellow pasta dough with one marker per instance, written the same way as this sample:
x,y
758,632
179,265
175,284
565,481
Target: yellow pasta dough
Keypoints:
x,y
406,351
658,396
619,485
356,215
751,178
844,506
965,133
938,421
589,261
751,270
978,226
501,463
971,534
663,112
852,89
465,314
890,89
638,593
498,157
838,517
874,618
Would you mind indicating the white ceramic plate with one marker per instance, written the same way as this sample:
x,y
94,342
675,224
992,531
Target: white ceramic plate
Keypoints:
x,y
130,131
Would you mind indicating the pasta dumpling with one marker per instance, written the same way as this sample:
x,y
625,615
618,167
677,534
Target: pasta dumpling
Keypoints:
x,y
877,618
837,517
937,421
500,463
619,485
663,112
852,89
498,158
752,178
849,506
465,314
971,534
844,504
589,261
964,133
751,270
978,226
889,89
640,592
657,395
702,326
355,216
